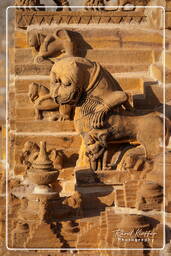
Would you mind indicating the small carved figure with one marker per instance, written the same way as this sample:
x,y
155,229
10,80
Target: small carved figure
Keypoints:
x,y
27,3
133,159
50,45
29,153
57,158
96,150
40,96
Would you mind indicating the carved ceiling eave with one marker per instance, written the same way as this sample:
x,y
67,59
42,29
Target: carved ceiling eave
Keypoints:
x,y
26,18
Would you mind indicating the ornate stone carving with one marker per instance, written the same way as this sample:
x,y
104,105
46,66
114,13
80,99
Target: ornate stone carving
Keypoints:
x,y
80,82
31,151
43,103
48,45
88,17
30,3
103,110
42,172
93,4
96,150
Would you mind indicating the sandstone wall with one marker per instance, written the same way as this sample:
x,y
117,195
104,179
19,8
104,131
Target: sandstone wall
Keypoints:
x,y
130,46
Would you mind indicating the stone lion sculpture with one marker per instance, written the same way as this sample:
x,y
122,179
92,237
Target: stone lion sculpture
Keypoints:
x,y
102,106
85,84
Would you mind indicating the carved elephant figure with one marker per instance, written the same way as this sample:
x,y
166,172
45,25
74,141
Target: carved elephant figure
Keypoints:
x,y
49,45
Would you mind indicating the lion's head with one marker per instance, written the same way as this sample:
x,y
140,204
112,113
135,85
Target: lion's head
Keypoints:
x,y
68,79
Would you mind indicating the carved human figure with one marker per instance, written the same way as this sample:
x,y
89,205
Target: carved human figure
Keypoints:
x,y
96,150
42,100
29,153
49,45
132,159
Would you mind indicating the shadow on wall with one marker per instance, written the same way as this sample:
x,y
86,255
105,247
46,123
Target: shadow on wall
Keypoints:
x,y
81,45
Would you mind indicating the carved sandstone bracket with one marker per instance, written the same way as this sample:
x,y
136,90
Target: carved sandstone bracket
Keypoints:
x,y
44,105
48,45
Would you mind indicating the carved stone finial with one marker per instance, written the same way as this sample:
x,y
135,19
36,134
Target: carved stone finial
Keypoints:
x,y
43,161
42,172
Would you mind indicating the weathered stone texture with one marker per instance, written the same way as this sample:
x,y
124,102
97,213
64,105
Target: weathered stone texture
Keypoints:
x,y
88,209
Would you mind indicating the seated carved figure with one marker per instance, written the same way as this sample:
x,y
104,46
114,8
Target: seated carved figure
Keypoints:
x,y
42,100
49,45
